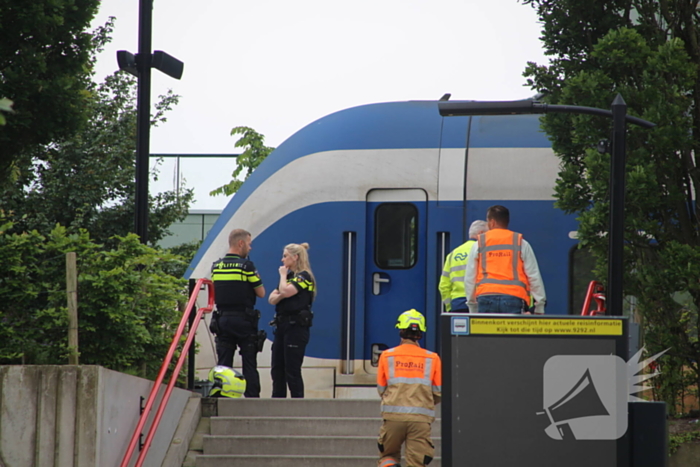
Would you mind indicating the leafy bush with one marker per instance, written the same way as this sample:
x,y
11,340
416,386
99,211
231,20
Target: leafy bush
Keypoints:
x,y
127,301
676,440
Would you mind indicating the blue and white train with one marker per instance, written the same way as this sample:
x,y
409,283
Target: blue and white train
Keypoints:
x,y
382,193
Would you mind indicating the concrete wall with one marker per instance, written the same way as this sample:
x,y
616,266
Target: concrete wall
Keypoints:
x,y
76,416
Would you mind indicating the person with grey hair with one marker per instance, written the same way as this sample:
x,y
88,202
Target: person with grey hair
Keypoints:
x,y
452,281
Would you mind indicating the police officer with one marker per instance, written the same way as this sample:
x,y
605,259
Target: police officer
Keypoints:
x,y
293,318
236,286
409,381
452,281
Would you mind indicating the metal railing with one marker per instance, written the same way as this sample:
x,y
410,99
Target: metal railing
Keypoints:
x,y
595,291
173,378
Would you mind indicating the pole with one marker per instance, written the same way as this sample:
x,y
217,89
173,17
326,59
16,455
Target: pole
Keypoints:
x,y
143,111
191,356
616,235
72,296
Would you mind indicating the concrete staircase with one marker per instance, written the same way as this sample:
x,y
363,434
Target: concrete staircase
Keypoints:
x,y
294,433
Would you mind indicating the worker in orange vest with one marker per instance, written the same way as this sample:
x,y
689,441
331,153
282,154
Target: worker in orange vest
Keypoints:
x,y
502,275
409,382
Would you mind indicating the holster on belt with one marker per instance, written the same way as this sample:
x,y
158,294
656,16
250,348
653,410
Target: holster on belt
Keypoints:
x,y
305,318
214,323
260,340
253,316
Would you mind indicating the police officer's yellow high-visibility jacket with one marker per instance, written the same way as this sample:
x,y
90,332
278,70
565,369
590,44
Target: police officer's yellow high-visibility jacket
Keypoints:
x,y
452,280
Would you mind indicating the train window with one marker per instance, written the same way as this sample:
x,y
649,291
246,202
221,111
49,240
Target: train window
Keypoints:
x,y
581,264
396,235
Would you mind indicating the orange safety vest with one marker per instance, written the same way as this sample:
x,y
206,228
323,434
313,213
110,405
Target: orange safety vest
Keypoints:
x,y
500,269
409,380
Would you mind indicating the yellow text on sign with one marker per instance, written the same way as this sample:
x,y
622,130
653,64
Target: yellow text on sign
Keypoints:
x,y
546,327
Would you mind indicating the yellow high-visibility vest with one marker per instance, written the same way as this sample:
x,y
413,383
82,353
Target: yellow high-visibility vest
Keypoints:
x,y
452,280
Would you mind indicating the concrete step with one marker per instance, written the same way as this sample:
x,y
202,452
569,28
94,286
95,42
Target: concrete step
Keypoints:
x,y
196,447
296,432
291,461
298,407
283,426
296,445
300,426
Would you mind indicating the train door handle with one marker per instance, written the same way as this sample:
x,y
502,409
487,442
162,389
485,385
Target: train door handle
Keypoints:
x,y
377,281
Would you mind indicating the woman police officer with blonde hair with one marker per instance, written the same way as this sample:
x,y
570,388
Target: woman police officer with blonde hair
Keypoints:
x,y
293,318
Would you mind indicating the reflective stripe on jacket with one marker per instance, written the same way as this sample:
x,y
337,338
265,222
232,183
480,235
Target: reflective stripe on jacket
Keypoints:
x,y
235,280
409,381
500,268
304,297
452,280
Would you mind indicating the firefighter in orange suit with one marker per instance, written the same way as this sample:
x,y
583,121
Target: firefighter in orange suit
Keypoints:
x,y
502,274
409,382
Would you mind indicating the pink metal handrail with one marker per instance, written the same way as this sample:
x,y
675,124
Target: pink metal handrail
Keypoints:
x,y
595,291
173,377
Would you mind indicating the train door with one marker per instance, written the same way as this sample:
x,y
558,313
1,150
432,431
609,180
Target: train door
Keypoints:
x,y
395,260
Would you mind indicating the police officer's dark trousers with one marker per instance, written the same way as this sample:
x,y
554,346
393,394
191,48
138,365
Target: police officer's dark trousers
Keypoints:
x,y
287,356
237,331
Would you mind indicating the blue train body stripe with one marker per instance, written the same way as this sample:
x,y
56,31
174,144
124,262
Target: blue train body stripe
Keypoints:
x,y
393,125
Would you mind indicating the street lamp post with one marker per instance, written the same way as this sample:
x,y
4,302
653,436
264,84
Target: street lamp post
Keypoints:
x,y
617,168
140,66
616,243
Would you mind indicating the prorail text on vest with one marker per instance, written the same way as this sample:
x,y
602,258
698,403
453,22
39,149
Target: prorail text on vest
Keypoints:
x,y
499,254
410,365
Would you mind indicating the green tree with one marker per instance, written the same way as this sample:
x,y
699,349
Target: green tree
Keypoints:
x,y
45,68
5,106
76,193
255,152
648,52
128,302
87,181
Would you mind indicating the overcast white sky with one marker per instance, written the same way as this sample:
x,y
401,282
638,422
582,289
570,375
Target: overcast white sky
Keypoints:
x,y
277,65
